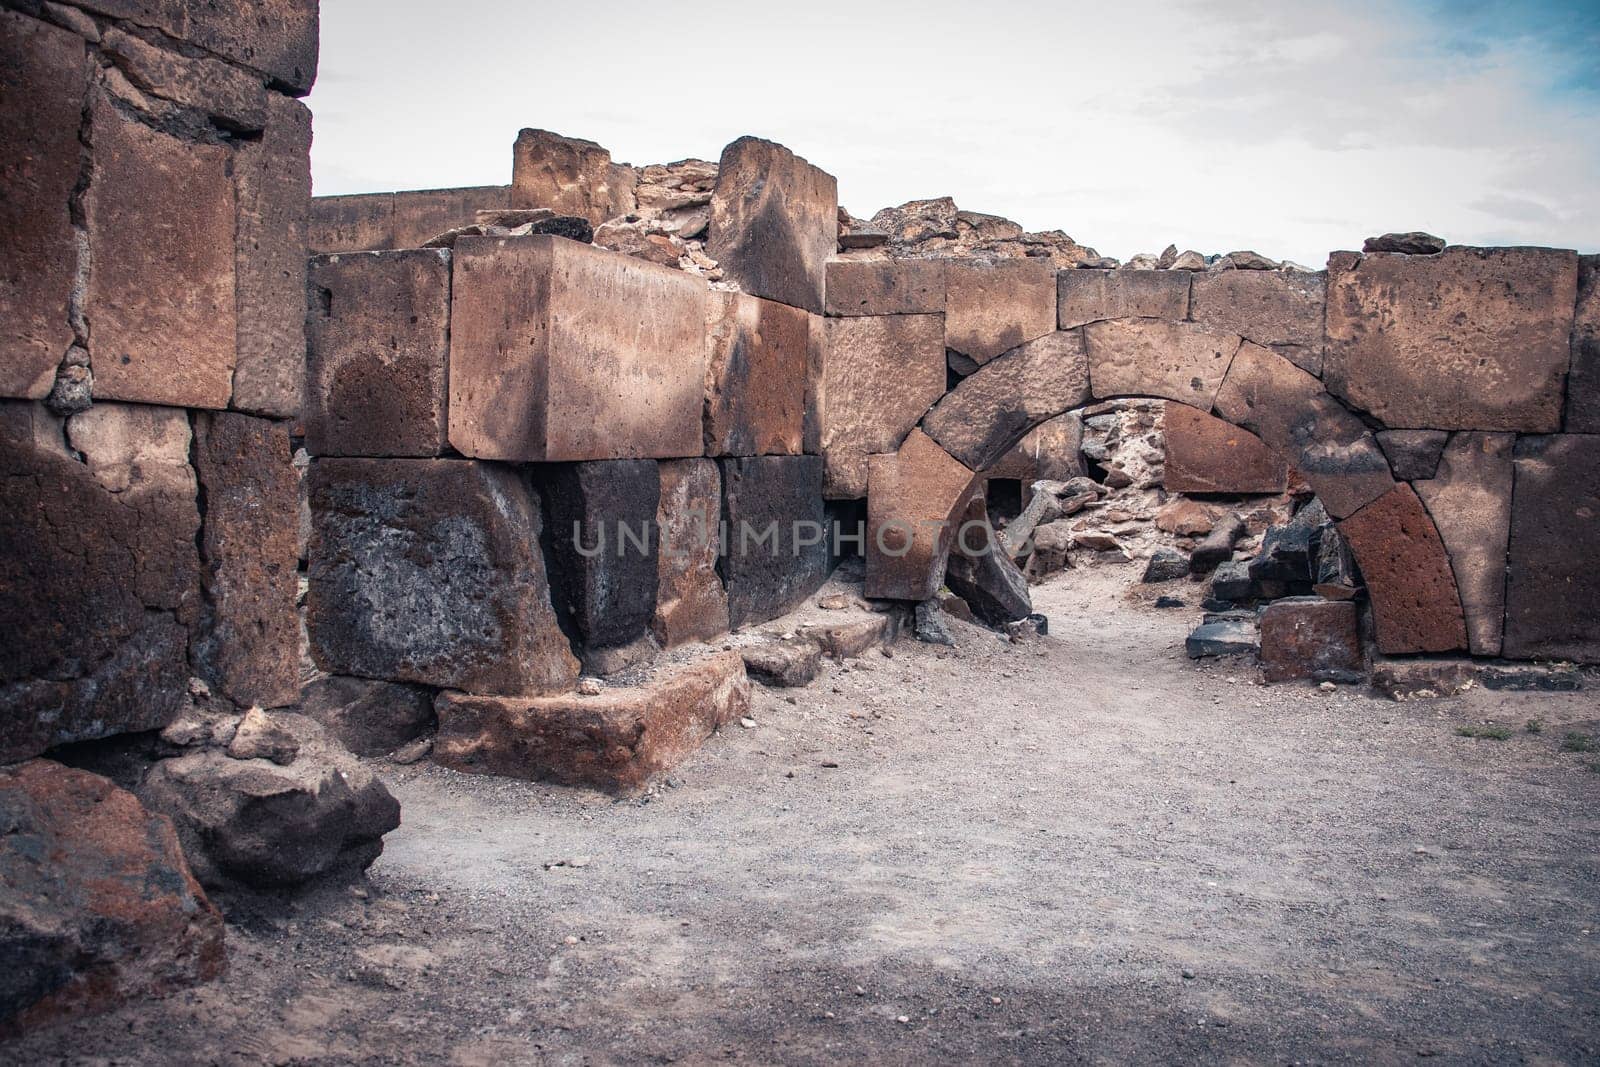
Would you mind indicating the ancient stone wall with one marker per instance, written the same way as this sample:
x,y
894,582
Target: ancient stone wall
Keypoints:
x,y
366,221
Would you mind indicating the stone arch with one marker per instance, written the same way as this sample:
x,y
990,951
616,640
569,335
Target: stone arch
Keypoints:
x,y
925,486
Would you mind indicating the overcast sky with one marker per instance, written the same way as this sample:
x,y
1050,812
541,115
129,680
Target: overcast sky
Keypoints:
x,y
1286,127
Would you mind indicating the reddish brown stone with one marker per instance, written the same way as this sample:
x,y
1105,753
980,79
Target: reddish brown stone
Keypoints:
x,y
247,642
570,177
1277,309
886,287
756,363
1471,339
378,340
1413,454
984,416
1308,637
691,604
273,176
1289,410
1469,499
276,37
1156,358
774,222
1207,455
991,309
1553,583
43,76
1583,382
98,579
1414,600
616,741
563,351
371,221
97,905
875,377
429,571
161,297
1086,296
914,498
229,97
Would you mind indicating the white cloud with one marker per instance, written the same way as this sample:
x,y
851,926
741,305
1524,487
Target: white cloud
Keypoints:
x,y
1216,124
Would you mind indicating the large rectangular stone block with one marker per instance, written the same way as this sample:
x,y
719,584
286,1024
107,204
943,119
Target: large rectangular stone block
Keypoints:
x,y
1469,498
774,222
916,499
570,177
1308,637
756,363
429,571
366,222
992,308
1153,357
775,545
99,578
273,178
1553,582
601,520
378,339
1278,309
691,604
875,378
1207,455
276,37
228,96
1470,339
617,740
161,295
564,351
886,287
44,73
247,639
1583,382
1085,296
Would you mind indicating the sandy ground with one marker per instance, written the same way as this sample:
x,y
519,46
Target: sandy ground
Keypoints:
x,y
1076,848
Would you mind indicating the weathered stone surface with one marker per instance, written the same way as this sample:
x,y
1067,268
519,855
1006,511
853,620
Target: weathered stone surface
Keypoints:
x,y
258,824
570,176
1231,581
1414,243
1050,500
601,528
276,37
776,549
1152,357
1413,454
1166,565
982,574
247,637
369,718
1207,455
1469,499
161,295
1224,637
1216,548
228,96
1086,296
1280,310
430,571
783,664
562,351
1471,339
97,905
273,177
774,223
886,287
43,77
1289,550
1422,678
1289,410
856,637
758,353
986,415
876,377
616,741
378,337
369,221
1335,573
99,576
1583,382
914,501
1414,601
1553,583
991,309
1308,637
691,604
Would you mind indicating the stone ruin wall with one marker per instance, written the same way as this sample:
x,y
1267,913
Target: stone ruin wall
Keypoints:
x,y
359,488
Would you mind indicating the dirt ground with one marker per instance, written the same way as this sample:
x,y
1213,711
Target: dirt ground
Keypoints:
x,y
1075,848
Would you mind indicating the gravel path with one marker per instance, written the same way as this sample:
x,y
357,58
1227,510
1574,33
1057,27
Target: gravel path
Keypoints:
x,y
1079,847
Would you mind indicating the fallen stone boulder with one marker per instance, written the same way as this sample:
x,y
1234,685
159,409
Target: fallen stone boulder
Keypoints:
x,y
616,740
369,718
1217,547
1289,550
260,825
1166,565
783,664
1223,637
1308,637
853,639
97,905
1413,243
1421,678
980,572
928,623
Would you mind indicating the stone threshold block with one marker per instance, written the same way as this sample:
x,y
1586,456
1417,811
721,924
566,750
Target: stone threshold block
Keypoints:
x,y
614,741
564,351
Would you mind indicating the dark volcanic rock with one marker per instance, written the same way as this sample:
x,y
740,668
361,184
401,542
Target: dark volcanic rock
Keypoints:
x,y
1224,637
774,222
1414,243
1166,565
1413,454
369,718
773,508
1308,637
1217,546
1553,582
